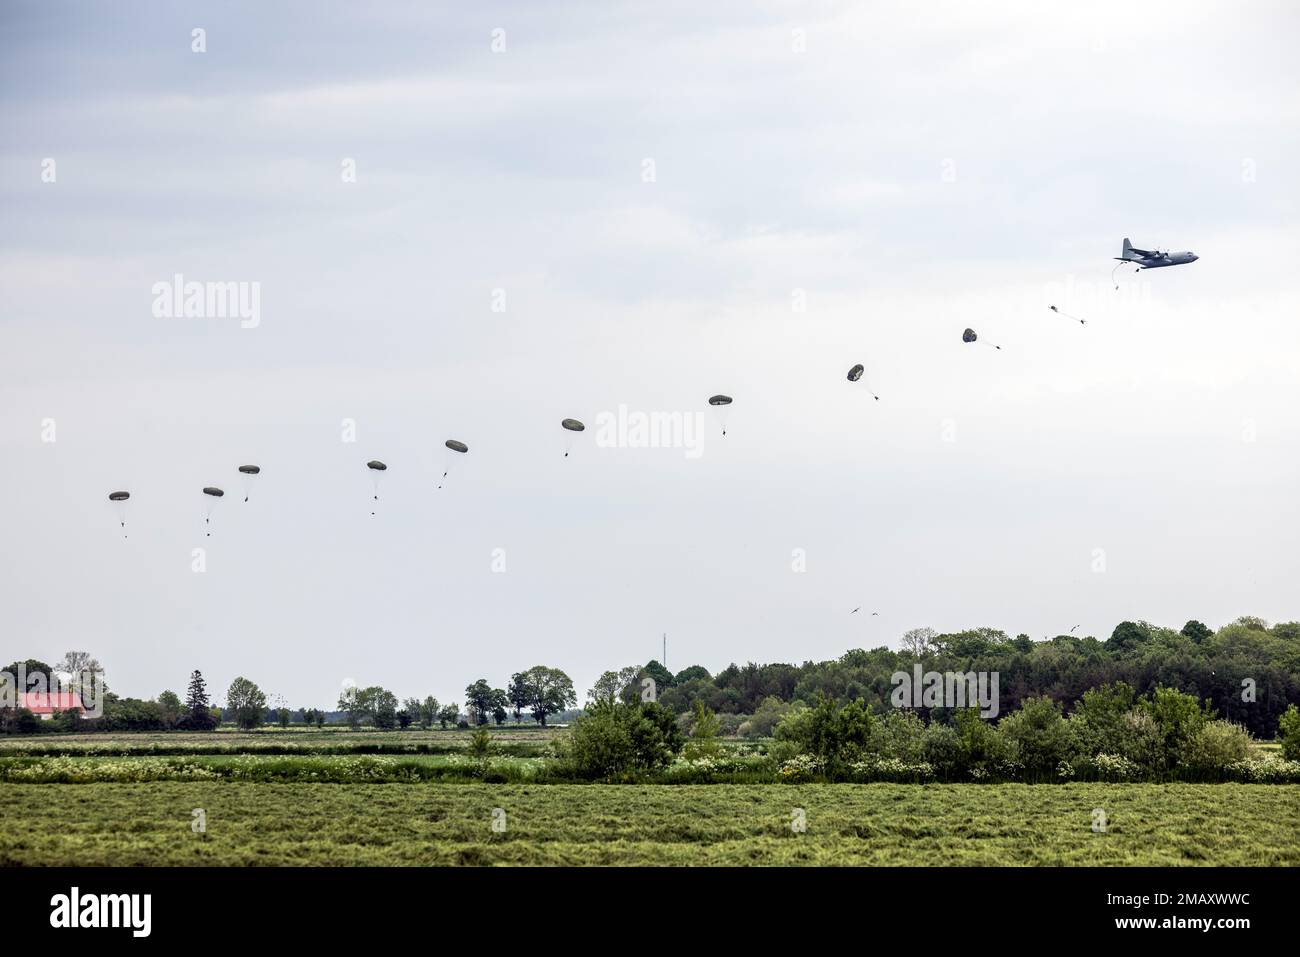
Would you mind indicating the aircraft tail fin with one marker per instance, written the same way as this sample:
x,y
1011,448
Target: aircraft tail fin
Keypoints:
x,y
1128,249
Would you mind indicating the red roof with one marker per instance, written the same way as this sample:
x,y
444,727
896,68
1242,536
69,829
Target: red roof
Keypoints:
x,y
49,702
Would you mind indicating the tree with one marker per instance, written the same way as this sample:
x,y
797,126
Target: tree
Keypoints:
x,y
350,701
448,715
552,692
429,711
246,702
519,693
663,678
1127,636
170,704
414,712
616,686
693,673
80,674
919,642
283,715
1196,631
381,706
198,711
482,700
30,675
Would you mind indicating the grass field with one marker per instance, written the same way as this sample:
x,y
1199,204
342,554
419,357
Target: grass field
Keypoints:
x,y
139,824
338,740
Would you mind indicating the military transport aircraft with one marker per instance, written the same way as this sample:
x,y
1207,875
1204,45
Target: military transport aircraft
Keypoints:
x,y
1154,258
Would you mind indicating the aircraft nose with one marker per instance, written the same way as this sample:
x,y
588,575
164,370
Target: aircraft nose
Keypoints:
x,y
1194,257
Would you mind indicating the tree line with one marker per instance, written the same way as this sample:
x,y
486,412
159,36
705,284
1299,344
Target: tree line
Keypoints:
x,y
1248,671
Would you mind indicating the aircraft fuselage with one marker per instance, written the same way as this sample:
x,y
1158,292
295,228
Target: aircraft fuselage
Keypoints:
x,y
1169,259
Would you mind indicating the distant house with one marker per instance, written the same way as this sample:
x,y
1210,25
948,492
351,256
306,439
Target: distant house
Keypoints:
x,y
44,704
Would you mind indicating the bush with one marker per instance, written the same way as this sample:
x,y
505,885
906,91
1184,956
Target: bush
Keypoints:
x,y
1141,742
900,735
1039,737
1178,718
704,741
481,744
1288,731
942,749
615,740
1113,767
983,752
836,736
1097,722
729,724
762,723
1217,745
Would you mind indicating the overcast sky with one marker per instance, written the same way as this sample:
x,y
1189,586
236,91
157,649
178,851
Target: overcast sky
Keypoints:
x,y
904,171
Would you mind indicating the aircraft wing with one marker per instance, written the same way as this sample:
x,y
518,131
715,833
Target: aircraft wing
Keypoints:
x,y
1144,253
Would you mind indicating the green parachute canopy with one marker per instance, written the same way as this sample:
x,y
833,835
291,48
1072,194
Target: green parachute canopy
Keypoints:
x,y
214,492
856,372
573,425
250,469
719,400
377,465
456,446
118,496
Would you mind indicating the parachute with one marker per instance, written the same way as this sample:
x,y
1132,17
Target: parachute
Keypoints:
x,y
971,336
856,373
377,470
212,496
454,445
720,403
247,473
120,499
1137,269
571,426
1082,322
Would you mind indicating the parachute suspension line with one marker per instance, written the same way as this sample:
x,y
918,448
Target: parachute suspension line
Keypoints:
x,y
1120,266
377,470
119,500
1066,315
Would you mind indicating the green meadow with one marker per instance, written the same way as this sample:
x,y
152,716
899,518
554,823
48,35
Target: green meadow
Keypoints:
x,y
424,824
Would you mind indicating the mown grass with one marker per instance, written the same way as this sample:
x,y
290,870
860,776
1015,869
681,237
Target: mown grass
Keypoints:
x,y
847,824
